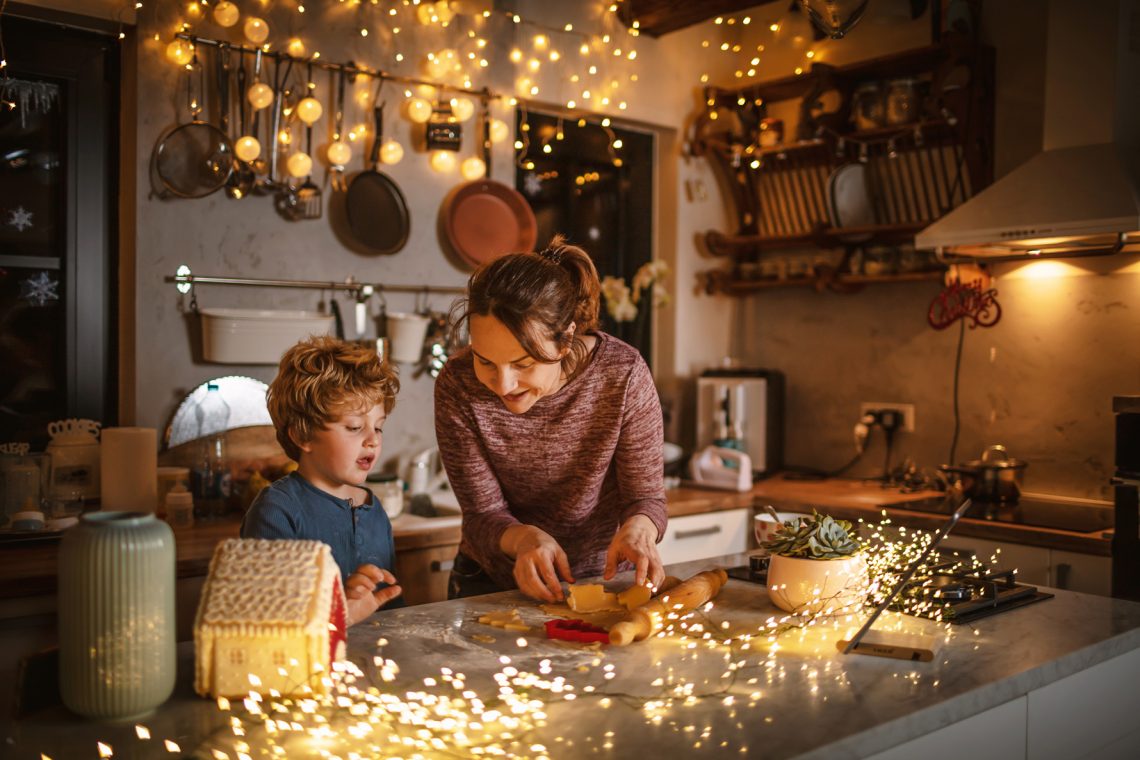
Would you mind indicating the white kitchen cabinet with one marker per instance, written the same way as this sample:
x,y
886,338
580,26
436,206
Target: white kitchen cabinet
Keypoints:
x,y
1032,562
1086,573
710,534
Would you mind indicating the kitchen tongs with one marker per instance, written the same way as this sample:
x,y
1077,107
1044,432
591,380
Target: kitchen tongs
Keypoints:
x,y
907,576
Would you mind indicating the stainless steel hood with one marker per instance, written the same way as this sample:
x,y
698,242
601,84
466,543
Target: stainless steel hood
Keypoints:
x,y
1081,195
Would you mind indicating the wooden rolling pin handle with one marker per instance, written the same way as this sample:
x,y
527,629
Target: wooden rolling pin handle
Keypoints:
x,y
649,618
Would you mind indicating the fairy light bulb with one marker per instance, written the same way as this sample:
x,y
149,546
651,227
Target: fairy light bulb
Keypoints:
x,y
391,152
419,110
462,108
443,12
299,164
260,95
256,30
226,14
309,110
443,161
473,168
499,131
339,153
296,48
247,148
180,52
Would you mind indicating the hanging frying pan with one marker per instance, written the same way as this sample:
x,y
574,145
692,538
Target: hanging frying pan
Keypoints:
x,y
377,211
483,219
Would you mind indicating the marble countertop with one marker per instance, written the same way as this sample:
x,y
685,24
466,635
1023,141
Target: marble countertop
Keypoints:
x,y
425,671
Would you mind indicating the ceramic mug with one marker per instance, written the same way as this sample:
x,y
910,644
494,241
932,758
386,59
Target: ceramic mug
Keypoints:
x,y
407,332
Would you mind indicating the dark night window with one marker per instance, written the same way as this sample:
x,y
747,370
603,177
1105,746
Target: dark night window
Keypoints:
x,y
598,196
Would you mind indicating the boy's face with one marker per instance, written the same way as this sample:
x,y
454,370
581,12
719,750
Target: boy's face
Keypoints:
x,y
507,370
342,452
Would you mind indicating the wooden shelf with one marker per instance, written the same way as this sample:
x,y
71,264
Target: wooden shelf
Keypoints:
x,y
783,196
720,281
746,246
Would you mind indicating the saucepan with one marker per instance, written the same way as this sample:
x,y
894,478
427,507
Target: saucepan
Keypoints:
x,y
995,478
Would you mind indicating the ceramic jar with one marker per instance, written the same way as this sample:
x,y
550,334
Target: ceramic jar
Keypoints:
x,y
796,584
116,615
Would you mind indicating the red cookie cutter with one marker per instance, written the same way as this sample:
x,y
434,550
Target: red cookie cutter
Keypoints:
x,y
576,630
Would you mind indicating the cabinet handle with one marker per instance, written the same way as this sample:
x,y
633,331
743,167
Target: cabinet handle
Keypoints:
x,y
444,566
696,532
1064,574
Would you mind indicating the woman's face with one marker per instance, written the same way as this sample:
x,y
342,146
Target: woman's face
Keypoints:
x,y
508,371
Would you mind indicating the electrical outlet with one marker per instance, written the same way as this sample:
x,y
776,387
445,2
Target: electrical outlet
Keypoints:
x,y
906,410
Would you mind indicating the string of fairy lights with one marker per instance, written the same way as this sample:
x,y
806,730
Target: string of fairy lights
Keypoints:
x,y
583,70
371,709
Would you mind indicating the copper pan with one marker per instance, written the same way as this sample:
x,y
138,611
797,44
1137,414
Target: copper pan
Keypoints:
x,y
483,219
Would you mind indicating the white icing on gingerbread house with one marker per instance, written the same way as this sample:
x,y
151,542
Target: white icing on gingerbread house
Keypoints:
x,y
272,616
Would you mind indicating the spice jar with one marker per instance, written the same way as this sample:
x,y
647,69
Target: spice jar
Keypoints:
x,y
867,106
902,101
389,490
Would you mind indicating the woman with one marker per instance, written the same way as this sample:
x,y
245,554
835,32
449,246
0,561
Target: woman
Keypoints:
x,y
550,432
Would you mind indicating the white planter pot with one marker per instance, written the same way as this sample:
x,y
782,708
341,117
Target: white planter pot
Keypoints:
x,y
830,586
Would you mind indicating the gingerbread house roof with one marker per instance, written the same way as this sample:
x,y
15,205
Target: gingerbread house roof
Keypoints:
x,y
278,585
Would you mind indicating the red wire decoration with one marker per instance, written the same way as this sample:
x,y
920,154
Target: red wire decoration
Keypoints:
x,y
960,300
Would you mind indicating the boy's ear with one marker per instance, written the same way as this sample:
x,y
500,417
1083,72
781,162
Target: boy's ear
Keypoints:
x,y
305,446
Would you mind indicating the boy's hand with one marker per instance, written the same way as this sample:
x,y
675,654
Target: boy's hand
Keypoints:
x,y
361,593
539,561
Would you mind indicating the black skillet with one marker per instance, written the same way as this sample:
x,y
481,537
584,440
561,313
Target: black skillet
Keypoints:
x,y
377,211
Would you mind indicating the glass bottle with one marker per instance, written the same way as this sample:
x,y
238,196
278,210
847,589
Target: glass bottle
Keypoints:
x,y
211,479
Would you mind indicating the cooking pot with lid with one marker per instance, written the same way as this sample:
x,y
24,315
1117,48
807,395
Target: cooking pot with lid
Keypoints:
x,y
994,478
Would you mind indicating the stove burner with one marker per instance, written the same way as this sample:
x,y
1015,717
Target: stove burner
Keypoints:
x,y
962,596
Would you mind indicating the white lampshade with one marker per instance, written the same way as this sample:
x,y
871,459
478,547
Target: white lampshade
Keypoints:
x,y
260,95
256,30
443,160
247,148
226,14
309,110
299,164
473,168
419,110
391,152
339,153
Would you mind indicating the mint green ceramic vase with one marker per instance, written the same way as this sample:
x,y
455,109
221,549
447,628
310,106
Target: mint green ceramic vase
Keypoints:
x,y
116,615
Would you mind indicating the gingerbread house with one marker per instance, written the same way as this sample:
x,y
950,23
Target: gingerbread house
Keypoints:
x,y
272,616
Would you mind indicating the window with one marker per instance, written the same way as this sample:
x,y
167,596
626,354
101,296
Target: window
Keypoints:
x,y
598,196
58,170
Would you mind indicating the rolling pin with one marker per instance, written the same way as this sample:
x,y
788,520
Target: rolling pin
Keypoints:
x,y
649,618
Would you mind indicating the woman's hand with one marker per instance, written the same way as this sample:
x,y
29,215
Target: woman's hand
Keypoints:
x,y
636,540
362,596
539,561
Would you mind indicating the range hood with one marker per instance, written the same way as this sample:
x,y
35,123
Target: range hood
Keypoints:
x,y
1081,194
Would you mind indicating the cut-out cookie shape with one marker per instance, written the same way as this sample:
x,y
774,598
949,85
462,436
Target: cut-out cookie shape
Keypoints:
x,y
508,620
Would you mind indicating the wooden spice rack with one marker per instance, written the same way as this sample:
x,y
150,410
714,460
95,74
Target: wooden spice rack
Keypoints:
x,y
915,171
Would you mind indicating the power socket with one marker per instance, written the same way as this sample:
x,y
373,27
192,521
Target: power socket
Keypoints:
x,y
906,410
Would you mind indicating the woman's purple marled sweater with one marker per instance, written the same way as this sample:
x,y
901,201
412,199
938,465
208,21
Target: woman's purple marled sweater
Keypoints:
x,y
577,464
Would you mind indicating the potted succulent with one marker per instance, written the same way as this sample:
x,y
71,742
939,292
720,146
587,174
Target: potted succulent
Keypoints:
x,y
816,566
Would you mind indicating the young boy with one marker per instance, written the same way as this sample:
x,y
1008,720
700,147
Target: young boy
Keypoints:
x,y
328,403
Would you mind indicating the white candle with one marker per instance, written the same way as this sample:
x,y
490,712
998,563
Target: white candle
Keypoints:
x,y
128,469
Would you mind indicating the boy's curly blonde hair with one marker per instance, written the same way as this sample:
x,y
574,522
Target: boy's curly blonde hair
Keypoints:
x,y
322,378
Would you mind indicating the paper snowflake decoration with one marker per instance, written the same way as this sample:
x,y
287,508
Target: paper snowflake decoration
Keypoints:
x,y
20,218
39,289
532,184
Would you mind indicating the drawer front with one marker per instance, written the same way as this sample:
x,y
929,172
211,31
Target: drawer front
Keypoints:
x,y
706,535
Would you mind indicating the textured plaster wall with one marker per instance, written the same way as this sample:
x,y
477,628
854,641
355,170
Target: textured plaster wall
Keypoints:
x,y
219,236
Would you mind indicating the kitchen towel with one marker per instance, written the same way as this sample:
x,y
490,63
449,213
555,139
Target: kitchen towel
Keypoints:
x,y
128,471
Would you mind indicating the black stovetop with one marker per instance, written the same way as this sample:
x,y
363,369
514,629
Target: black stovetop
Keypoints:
x,y
1077,515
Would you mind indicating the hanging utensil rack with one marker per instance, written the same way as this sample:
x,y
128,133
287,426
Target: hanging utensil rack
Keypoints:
x,y
351,69
185,281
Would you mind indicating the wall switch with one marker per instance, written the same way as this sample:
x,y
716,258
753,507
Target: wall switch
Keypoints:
x,y
906,410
